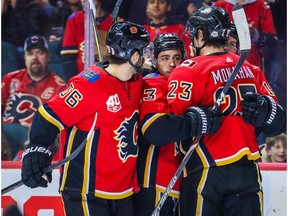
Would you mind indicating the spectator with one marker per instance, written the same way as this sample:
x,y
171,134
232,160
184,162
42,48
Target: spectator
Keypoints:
x,y
133,10
20,19
25,90
279,13
261,26
159,21
68,7
169,52
185,8
73,42
62,12
191,9
275,149
275,52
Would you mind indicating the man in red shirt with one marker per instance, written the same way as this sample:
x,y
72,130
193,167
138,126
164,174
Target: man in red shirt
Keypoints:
x,y
25,90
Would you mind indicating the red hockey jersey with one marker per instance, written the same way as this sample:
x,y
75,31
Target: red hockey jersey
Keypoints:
x,y
106,166
21,97
73,39
199,81
74,36
156,164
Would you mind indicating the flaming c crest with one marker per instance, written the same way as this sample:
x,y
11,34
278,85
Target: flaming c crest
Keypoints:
x,y
127,135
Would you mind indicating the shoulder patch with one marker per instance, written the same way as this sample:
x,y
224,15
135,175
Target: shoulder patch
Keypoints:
x,y
91,76
151,75
72,16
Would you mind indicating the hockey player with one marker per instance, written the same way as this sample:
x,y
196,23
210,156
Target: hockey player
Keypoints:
x,y
232,44
100,180
157,164
222,176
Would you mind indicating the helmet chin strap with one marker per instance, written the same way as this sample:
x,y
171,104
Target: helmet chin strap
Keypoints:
x,y
198,49
137,68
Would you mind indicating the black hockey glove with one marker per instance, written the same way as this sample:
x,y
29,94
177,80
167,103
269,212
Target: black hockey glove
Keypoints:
x,y
204,120
34,160
258,110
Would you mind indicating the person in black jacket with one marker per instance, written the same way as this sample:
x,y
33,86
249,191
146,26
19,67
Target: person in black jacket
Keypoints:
x,y
21,20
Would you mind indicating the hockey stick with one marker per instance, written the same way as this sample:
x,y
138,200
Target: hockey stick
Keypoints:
x,y
93,17
115,11
245,46
57,164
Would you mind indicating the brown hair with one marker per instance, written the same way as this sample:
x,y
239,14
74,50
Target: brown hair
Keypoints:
x,y
270,141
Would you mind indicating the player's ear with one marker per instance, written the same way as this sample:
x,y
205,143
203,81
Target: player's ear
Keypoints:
x,y
135,57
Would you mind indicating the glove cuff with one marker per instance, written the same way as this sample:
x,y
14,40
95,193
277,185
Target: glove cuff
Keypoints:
x,y
202,118
37,149
273,107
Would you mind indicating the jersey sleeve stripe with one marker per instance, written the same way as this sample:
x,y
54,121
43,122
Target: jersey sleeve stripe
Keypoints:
x,y
66,52
148,166
50,119
67,153
150,121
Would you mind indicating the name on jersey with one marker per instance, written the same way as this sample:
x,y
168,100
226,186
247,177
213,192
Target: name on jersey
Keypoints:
x,y
222,75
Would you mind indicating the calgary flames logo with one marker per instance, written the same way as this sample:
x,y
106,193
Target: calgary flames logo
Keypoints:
x,y
127,136
20,108
133,30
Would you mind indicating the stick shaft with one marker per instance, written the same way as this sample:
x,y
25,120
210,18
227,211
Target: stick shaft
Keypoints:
x,y
116,11
57,164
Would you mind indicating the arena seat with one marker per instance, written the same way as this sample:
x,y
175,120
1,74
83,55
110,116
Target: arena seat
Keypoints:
x,y
9,58
55,64
16,136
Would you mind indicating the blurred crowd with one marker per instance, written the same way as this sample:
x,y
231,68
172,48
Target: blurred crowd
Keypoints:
x,y
49,35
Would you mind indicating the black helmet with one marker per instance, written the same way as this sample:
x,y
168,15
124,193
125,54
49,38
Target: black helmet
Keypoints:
x,y
125,37
168,41
233,32
214,20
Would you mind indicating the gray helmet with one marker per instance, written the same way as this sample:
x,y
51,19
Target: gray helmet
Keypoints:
x,y
214,20
168,41
124,38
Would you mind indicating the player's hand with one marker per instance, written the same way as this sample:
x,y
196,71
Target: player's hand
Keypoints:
x,y
204,120
34,160
258,110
